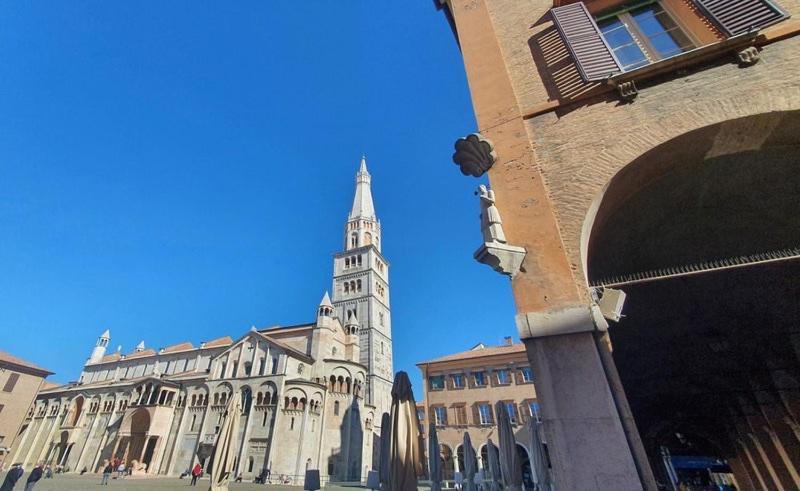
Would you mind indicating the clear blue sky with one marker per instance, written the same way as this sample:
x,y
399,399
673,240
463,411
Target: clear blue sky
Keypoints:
x,y
182,170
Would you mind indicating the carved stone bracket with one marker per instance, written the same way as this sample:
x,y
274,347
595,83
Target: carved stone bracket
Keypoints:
x,y
503,258
748,56
474,155
627,90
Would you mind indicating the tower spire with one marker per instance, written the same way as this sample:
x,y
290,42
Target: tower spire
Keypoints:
x,y
362,201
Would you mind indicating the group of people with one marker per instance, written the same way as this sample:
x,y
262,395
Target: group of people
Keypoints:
x,y
112,466
16,472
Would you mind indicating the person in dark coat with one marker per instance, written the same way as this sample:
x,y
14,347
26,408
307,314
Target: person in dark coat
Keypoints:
x,y
12,477
107,471
33,478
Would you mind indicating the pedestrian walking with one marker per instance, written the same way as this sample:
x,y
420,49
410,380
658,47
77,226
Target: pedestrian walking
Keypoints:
x,y
197,471
34,477
120,470
107,471
12,477
48,472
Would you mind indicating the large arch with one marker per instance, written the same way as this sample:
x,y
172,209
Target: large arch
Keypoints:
x,y
702,233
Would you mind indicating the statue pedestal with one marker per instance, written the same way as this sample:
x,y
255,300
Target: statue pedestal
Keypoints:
x,y
503,258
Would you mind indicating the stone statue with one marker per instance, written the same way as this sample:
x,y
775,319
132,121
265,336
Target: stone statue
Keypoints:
x,y
495,252
491,223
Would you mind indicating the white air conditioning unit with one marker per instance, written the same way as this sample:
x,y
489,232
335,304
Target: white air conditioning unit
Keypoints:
x,y
611,304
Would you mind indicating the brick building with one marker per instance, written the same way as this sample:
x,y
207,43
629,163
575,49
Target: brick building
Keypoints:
x,y
460,394
651,148
20,381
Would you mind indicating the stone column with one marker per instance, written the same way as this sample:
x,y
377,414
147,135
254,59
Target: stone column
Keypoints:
x,y
582,420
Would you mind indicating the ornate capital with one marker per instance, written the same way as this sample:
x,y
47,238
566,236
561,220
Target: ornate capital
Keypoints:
x,y
474,155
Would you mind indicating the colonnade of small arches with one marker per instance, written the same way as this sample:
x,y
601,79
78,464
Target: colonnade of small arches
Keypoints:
x,y
352,262
352,286
344,385
300,404
152,394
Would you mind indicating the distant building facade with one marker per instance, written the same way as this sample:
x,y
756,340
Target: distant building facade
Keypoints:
x,y
461,392
305,388
20,381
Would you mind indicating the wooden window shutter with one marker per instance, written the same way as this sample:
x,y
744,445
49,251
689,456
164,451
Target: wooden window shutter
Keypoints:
x,y
739,16
593,57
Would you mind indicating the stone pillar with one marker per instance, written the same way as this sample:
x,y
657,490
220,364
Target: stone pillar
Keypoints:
x,y
594,443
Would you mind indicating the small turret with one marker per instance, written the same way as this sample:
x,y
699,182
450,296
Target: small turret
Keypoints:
x,y
325,312
139,347
351,341
99,350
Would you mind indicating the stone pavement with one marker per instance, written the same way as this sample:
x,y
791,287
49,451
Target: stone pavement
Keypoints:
x,y
92,482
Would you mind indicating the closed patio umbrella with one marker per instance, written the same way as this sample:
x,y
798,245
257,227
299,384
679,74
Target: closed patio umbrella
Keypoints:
x,y
541,472
496,483
406,454
434,459
470,464
509,458
224,453
386,438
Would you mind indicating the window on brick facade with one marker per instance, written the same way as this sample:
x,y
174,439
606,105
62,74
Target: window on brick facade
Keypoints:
x,y
503,377
512,412
485,413
637,33
480,378
441,415
461,415
642,34
11,382
527,374
458,381
533,408
436,382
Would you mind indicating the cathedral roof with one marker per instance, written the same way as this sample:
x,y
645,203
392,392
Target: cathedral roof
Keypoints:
x,y
141,354
185,346
223,341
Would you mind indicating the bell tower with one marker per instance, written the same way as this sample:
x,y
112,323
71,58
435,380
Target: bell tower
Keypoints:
x,y
100,348
361,290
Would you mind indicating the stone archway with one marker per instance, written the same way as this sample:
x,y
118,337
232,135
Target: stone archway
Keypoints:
x,y
702,232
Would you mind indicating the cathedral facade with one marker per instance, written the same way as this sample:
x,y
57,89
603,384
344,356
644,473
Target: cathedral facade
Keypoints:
x,y
312,393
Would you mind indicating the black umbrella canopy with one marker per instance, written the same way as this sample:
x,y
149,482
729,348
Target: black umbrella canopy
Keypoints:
x,y
401,388
509,458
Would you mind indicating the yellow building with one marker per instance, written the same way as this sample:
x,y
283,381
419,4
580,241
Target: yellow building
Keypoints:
x,y
20,381
461,392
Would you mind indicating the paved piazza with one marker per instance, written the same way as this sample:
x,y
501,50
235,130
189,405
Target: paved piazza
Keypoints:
x,y
79,483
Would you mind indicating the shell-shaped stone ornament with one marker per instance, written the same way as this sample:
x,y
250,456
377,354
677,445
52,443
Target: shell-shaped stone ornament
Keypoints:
x,y
474,155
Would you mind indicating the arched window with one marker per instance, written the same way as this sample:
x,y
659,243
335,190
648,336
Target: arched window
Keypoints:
x,y
274,365
247,400
259,398
359,259
223,398
347,262
250,464
346,287
347,385
358,285
248,367
301,406
336,408
216,399
333,383
340,384
353,240
275,398
380,318
263,366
